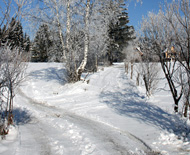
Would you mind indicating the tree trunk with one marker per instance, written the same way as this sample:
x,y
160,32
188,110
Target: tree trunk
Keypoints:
x,y
60,31
186,104
186,109
86,42
137,79
171,84
131,70
110,58
126,68
146,85
96,63
68,25
176,105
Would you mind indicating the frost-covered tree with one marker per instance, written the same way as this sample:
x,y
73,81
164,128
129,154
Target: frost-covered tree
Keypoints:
x,y
90,18
12,73
149,70
97,16
178,16
57,15
157,35
11,64
82,65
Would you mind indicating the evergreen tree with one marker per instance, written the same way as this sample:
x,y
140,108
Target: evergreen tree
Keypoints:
x,y
120,34
15,36
4,35
42,44
55,52
26,43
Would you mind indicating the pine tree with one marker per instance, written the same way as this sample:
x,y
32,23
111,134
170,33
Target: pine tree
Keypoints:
x,y
120,34
42,44
55,52
3,35
26,43
15,36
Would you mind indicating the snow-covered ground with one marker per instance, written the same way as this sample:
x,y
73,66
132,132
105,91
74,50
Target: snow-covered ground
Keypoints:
x,y
108,115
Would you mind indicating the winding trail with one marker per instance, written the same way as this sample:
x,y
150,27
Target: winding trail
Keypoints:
x,y
104,135
59,131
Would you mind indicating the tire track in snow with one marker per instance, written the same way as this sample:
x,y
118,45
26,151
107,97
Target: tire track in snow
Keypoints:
x,y
46,137
103,134
115,83
32,140
66,129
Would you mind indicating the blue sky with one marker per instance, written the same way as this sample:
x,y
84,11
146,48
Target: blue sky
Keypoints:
x,y
136,12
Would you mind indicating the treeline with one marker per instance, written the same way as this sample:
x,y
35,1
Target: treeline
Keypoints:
x,y
80,33
46,45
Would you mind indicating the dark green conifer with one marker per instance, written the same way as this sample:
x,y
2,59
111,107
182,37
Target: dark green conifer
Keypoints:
x,y
41,44
15,36
120,34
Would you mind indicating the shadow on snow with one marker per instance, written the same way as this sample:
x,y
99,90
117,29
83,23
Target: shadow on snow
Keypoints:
x,y
126,101
50,74
21,117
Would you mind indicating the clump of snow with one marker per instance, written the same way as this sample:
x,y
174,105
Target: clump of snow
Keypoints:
x,y
175,142
10,140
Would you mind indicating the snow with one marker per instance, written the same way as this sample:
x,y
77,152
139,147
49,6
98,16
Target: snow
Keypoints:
x,y
109,115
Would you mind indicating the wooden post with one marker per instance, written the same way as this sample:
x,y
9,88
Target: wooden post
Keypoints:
x,y
131,70
137,79
126,67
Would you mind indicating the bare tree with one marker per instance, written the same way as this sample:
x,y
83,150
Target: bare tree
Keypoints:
x,y
132,55
186,99
56,13
11,64
158,35
12,69
150,74
68,26
81,68
178,16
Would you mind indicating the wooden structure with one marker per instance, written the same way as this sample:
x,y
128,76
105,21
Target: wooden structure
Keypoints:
x,y
138,50
170,54
137,56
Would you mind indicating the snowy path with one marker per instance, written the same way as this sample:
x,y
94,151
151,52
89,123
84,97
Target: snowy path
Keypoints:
x,y
91,137
81,134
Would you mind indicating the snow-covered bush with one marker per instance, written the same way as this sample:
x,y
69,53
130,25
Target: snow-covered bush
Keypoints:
x,y
150,72
12,68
